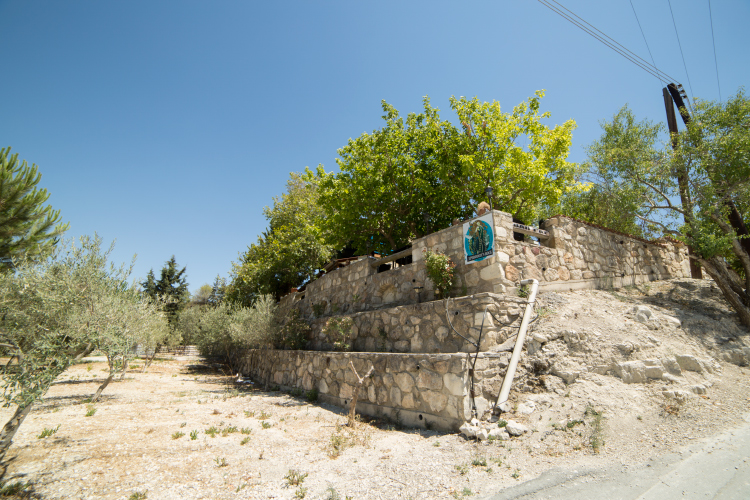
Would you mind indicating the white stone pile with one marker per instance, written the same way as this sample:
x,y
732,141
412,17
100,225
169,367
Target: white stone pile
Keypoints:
x,y
492,430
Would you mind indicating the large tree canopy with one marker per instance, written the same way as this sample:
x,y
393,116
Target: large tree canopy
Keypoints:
x,y
292,248
522,177
713,156
614,199
61,308
409,178
27,227
394,182
171,289
423,171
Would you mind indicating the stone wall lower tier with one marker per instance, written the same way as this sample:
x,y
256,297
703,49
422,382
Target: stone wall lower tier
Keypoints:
x,y
424,328
419,390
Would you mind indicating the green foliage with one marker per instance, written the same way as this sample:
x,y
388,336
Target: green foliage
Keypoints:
x,y
8,489
46,432
193,435
171,288
291,250
220,330
201,296
522,177
294,477
394,181
615,166
59,309
90,410
708,172
312,395
338,331
596,438
177,434
295,332
28,229
319,309
440,270
218,291
391,178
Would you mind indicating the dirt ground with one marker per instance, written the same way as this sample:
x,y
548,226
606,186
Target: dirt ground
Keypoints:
x,y
137,441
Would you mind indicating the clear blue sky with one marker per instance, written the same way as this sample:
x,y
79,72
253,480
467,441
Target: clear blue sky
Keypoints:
x,y
169,125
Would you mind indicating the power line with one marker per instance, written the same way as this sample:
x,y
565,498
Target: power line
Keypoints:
x,y
608,41
680,45
716,62
644,38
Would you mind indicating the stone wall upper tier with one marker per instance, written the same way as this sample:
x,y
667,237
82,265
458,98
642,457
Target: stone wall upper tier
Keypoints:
x,y
576,255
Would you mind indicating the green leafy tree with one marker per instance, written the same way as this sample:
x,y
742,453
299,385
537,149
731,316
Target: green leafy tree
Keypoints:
x,y
229,327
614,198
218,291
292,248
523,177
713,155
27,227
201,296
395,181
57,310
423,170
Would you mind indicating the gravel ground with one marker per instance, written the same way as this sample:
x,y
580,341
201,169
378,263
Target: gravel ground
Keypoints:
x,y
134,442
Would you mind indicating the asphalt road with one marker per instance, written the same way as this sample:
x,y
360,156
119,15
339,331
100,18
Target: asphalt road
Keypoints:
x,y
718,467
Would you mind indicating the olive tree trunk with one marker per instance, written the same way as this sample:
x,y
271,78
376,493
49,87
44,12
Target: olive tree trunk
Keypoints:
x,y
355,392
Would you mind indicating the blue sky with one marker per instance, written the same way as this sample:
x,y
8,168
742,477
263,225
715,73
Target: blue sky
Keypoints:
x,y
169,125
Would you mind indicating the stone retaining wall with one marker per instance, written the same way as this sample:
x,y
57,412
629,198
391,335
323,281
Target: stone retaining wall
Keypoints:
x,y
424,390
577,255
424,328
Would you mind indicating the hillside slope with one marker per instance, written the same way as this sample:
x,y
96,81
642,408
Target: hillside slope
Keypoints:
x,y
631,371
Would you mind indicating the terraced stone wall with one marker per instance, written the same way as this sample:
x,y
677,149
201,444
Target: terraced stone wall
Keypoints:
x,y
424,390
425,327
577,255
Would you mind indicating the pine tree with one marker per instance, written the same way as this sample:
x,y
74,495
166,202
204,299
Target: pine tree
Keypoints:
x,y
218,290
171,286
27,227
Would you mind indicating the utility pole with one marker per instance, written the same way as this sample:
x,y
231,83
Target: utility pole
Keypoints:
x,y
735,218
671,94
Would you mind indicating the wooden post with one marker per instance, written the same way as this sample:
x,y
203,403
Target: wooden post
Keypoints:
x,y
355,392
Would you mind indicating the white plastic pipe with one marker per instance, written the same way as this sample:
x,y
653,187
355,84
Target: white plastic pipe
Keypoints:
x,y
511,372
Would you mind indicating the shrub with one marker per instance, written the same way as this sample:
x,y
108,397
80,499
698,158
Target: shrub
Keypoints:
x,y
48,432
312,395
220,330
338,331
294,334
440,270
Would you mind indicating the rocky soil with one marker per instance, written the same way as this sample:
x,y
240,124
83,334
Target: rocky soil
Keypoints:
x,y
610,377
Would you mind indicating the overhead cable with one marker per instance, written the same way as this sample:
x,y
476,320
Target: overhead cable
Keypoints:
x,y
644,38
608,41
716,62
680,45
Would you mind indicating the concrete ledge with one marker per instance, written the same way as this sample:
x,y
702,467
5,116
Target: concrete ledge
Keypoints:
x,y
595,283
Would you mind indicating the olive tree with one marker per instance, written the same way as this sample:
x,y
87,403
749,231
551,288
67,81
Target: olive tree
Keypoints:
x,y
55,311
